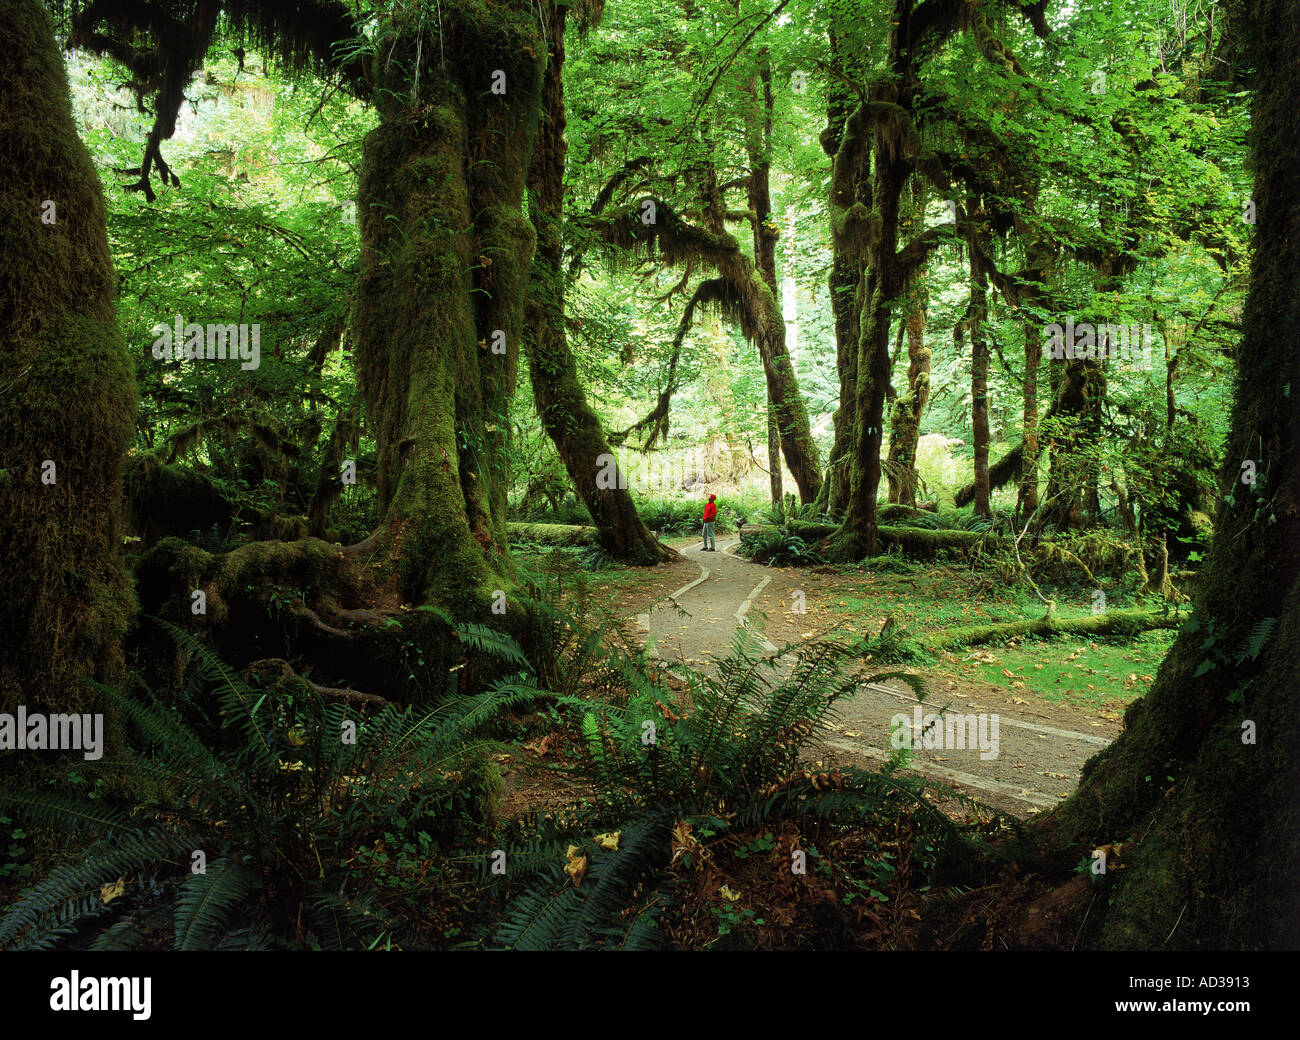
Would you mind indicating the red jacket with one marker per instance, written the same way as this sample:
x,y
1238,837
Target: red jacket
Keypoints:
x,y
710,512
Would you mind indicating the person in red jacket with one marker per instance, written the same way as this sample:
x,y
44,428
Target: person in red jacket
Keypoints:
x,y
710,515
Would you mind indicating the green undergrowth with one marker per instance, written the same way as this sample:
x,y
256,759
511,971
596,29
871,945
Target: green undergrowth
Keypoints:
x,y
251,810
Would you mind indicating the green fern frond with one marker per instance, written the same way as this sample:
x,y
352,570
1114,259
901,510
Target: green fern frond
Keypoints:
x,y
237,697
1254,643
536,919
67,814
71,890
489,641
207,900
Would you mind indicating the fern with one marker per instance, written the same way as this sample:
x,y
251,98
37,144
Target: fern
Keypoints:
x,y
207,900
1255,641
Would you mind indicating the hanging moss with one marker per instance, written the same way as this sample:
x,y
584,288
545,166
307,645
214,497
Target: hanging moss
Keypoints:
x,y
747,298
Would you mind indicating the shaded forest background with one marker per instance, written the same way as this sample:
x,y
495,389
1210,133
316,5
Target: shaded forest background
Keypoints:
x,y
534,274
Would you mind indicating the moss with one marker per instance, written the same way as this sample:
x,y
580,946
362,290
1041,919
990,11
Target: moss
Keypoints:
x,y
445,257
553,534
65,606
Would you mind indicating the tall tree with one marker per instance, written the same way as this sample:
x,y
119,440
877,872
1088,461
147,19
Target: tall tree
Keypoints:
x,y
976,316
759,103
905,415
570,421
446,250
446,247
846,140
1203,778
67,412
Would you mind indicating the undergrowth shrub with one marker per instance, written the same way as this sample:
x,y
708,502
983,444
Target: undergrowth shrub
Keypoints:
x,y
272,793
667,793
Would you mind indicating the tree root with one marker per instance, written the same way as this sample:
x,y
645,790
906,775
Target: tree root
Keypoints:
x,y
277,670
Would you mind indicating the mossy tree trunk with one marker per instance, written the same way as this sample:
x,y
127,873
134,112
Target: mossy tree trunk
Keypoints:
x,y
1038,260
905,416
758,146
878,288
847,141
67,412
886,115
1204,777
570,422
445,256
976,315
1077,404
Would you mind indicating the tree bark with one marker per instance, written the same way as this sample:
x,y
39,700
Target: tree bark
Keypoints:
x,y
68,404
758,145
846,140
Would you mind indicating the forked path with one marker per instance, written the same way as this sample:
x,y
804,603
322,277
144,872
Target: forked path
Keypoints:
x,y
1024,765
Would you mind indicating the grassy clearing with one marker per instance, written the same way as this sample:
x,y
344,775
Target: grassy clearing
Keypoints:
x,y
1102,676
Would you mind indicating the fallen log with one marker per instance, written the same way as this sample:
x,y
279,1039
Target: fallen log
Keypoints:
x,y
1110,622
921,542
552,534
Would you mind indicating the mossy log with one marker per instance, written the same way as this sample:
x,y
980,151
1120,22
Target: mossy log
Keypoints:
x,y
553,534
914,541
899,515
1111,622
309,601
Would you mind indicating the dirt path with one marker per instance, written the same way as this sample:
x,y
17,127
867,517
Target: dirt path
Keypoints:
x,y
993,746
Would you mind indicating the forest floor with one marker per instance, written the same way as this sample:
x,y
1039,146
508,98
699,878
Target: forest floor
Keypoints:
x,y
1057,702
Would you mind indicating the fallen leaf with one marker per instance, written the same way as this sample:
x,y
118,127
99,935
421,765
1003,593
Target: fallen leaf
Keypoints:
x,y
608,841
728,894
110,892
576,867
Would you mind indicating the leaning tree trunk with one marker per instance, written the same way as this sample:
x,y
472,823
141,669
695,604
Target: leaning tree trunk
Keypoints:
x,y
1203,779
445,255
569,420
758,145
67,410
